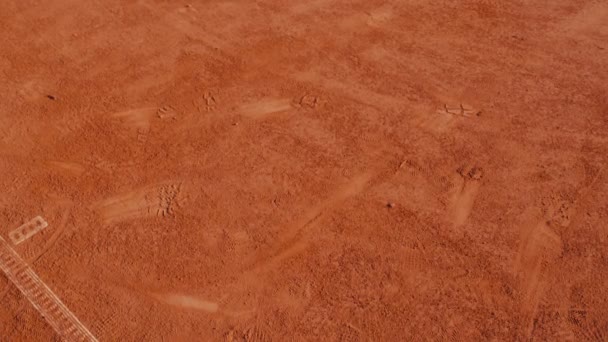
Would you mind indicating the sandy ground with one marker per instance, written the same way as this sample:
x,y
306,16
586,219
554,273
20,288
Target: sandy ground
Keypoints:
x,y
307,170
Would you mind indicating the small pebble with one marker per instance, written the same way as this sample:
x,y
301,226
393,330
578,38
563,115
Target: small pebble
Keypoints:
x,y
51,97
390,205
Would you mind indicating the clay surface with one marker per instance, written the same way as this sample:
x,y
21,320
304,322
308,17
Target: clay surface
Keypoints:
x,y
315,170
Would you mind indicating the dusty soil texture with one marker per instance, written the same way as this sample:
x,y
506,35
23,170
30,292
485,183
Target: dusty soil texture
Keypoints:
x,y
306,170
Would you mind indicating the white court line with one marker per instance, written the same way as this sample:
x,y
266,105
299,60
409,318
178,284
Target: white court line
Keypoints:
x,y
42,298
27,230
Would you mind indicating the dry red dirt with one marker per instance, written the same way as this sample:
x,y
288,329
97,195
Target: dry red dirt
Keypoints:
x,y
316,170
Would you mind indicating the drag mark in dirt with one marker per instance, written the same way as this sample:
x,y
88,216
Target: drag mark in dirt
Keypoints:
x,y
32,90
295,239
131,205
539,243
193,302
73,169
27,230
265,108
463,199
351,90
138,119
435,122
42,298
427,189
188,302
155,200
185,24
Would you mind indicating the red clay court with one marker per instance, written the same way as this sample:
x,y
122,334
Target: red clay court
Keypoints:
x,y
315,170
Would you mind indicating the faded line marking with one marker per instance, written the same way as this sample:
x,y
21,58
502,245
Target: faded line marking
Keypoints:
x,y
27,230
42,298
